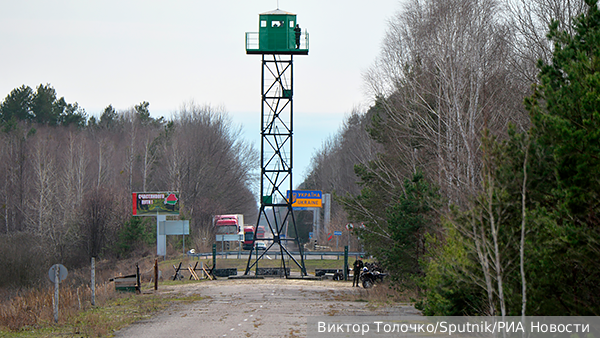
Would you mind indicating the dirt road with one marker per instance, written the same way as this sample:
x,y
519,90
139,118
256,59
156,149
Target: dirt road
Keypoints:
x,y
256,308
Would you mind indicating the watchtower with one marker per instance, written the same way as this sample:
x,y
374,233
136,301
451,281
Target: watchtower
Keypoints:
x,y
278,39
278,33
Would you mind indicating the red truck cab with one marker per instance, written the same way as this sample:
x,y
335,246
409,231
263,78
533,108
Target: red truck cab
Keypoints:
x,y
227,224
248,243
260,232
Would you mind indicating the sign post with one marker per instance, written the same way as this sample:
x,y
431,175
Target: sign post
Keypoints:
x,y
56,293
346,262
93,281
57,273
349,227
156,274
214,255
337,233
161,240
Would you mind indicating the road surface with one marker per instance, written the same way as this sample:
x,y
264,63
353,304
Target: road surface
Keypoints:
x,y
269,307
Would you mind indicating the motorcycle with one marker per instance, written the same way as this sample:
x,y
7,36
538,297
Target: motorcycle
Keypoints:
x,y
369,278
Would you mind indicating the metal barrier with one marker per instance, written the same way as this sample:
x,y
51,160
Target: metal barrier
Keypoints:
x,y
306,254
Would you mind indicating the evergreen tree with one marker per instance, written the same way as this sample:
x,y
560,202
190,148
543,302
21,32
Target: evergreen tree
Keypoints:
x,y
69,113
109,117
395,224
42,105
565,113
17,105
409,221
142,112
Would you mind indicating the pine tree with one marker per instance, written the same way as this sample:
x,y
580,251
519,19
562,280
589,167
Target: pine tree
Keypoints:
x,y
17,105
565,113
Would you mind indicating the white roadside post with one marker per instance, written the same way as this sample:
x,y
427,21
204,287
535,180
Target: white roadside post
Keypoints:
x,y
56,293
57,273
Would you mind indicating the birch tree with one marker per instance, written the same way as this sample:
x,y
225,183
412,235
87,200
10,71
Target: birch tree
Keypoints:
x,y
441,78
530,20
74,174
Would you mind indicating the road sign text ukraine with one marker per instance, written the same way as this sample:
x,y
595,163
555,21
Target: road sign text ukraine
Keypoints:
x,y
306,198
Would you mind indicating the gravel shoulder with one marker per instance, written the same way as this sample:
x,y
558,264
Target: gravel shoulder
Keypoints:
x,y
270,307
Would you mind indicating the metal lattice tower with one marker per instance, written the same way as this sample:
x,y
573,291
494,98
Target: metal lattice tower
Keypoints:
x,y
278,40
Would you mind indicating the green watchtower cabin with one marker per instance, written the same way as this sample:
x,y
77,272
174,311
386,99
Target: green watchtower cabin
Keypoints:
x,y
277,34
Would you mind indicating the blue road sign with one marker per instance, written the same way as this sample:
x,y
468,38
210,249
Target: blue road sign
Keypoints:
x,y
337,233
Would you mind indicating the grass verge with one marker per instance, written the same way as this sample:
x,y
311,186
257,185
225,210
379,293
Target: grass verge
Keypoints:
x,y
104,320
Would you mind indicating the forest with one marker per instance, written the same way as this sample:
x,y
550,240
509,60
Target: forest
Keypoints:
x,y
66,179
473,174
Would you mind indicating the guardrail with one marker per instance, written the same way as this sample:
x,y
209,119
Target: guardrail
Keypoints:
x,y
306,254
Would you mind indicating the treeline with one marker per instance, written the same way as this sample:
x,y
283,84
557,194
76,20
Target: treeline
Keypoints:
x,y
66,179
477,185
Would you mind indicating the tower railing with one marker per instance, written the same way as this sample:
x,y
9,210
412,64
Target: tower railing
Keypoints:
x,y
253,44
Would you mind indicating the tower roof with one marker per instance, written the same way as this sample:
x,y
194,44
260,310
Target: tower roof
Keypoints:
x,y
277,12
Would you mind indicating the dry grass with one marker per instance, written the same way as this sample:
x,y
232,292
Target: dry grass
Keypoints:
x,y
29,312
381,294
32,308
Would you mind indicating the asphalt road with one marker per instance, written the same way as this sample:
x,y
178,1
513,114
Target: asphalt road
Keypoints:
x,y
270,307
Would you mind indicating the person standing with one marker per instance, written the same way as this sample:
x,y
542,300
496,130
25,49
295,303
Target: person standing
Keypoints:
x,y
356,269
298,33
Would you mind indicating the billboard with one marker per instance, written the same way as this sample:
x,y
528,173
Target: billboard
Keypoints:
x,y
306,198
155,203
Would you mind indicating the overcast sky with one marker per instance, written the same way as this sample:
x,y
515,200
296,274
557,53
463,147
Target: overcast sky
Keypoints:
x,y
123,52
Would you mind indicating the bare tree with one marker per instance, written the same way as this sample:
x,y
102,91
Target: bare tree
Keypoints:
x,y
149,157
44,183
15,173
206,161
104,149
333,165
441,78
131,132
531,20
96,219
74,174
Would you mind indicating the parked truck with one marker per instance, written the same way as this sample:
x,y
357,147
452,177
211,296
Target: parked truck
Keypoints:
x,y
248,243
228,224
260,232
